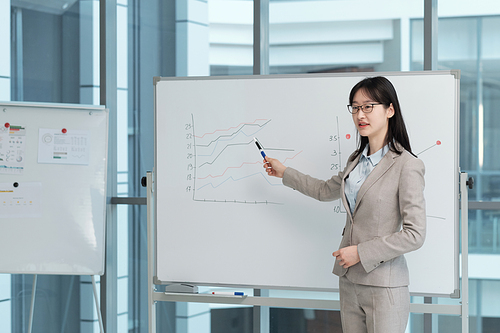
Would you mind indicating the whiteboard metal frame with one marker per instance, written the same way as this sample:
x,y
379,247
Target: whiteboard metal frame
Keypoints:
x,y
464,197
461,262
456,73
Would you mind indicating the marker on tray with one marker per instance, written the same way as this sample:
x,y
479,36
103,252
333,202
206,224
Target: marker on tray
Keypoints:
x,y
259,147
226,293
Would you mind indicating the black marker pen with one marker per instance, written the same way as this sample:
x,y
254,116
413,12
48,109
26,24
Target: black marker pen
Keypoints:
x,y
260,148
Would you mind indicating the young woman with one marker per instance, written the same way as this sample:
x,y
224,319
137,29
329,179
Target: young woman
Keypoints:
x,y
382,189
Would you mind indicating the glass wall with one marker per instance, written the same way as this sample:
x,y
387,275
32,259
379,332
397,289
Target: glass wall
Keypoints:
x,y
51,54
230,37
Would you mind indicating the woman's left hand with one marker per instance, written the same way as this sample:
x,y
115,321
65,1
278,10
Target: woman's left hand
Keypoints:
x,y
347,256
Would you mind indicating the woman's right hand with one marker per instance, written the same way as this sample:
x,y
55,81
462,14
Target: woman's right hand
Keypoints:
x,y
274,167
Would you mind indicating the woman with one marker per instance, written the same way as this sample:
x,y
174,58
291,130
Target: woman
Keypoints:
x,y
382,189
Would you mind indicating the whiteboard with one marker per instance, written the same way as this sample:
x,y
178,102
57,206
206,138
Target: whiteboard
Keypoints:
x,y
220,220
52,188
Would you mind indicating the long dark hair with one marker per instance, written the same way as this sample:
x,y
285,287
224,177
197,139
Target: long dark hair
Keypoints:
x,y
382,91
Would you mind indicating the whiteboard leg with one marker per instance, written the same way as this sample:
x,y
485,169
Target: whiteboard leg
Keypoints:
x,y
151,258
464,211
66,308
99,315
32,307
261,318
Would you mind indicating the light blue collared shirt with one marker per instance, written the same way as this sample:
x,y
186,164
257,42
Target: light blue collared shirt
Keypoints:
x,y
359,174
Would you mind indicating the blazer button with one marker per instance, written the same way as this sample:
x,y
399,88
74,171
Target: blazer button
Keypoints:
x,y
382,262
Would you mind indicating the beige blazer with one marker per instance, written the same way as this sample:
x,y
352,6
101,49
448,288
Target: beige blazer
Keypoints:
x,y
388,220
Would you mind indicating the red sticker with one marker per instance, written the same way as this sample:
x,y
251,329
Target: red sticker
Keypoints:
x,y
64,130
7,125
438,142
348,136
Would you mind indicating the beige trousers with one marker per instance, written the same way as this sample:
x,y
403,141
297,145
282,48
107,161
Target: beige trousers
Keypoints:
x,y
369,309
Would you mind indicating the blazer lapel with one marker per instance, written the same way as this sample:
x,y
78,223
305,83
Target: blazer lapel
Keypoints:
x,y
344,177
382,167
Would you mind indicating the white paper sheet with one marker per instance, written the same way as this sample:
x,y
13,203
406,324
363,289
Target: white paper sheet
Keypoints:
x,y
12,148
20,199
59,146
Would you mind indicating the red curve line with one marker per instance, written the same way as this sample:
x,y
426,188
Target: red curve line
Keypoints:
x,y
230,128
288,158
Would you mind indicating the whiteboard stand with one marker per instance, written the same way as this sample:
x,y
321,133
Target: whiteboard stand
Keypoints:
x,y
465,184
65,317
98,308
84,131
151,258
32,306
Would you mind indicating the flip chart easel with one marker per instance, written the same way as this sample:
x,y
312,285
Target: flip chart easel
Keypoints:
x,y
53,167
32,304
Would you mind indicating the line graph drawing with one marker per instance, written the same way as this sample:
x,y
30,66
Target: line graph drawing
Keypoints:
x,y
216,176
233,179
250,143
242,164
226,167
240,127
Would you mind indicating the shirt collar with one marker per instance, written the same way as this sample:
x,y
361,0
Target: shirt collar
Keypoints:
x,y
377,156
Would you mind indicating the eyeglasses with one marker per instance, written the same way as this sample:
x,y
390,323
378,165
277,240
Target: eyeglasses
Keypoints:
x,y
367,108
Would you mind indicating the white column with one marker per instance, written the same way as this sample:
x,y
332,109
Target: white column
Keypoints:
x,y
89,94
122,162
405,43
5,279
89,52
192,42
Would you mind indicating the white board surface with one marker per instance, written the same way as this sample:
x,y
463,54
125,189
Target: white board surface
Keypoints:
x,y
52,188
220,220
